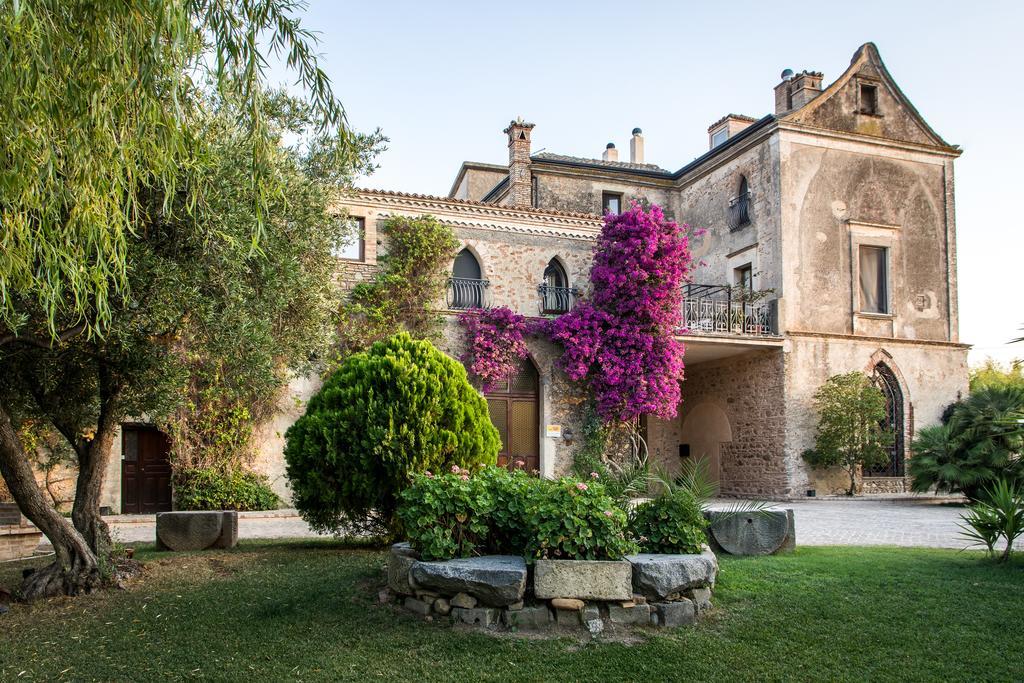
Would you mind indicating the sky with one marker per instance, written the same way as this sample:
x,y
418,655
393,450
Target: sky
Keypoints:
x,y
442,80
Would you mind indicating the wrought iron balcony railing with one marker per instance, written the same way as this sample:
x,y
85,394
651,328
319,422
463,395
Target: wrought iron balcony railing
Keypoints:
x,y
721,309
557,299
464,292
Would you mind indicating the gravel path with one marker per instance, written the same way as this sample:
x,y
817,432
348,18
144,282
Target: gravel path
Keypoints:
x,y
904,522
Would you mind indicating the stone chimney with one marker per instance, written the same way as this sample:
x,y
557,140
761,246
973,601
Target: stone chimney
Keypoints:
x,y
796,90
806,86
610,153
784,93
520,184
636,147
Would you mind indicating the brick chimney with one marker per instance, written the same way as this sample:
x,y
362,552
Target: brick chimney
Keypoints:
x,y
520,184
636,147
610,153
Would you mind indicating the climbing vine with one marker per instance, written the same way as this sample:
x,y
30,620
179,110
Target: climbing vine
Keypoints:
x,y
494,343
621,341
402,294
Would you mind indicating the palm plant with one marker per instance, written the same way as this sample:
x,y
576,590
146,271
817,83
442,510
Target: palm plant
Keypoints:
x,y
999,516
982,442
695,478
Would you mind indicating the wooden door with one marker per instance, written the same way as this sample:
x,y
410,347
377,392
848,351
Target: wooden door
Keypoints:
x,y
514,410
145,471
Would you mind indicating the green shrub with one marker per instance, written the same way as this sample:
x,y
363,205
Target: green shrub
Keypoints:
x,y
575,520
671,523
400,408
981,443
212,489
495,511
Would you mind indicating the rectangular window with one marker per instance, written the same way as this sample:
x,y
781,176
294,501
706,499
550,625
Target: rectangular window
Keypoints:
x,y
718,137
744,277
353,248
874,279
868,99
611,202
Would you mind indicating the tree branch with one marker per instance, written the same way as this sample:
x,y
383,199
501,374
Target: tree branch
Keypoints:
x,y
43,343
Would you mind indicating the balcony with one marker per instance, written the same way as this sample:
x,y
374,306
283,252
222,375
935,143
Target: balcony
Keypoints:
x,y
725,310
554,300
464,292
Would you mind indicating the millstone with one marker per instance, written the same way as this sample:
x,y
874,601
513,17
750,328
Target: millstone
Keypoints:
x,y
750,533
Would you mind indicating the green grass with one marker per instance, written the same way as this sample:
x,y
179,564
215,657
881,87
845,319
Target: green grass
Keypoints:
x,y
305,611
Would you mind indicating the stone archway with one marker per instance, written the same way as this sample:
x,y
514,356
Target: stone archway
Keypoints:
x,y
705,428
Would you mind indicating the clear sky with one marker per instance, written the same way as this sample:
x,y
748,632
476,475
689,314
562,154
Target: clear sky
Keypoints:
x,y
443,79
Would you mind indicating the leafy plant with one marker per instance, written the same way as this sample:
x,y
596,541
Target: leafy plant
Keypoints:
x,y
999,517
670,523
401,408
576,520
214,489
850,434
456,514
624,478
981,443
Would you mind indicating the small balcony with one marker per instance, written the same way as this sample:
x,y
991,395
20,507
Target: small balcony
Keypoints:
x,y
555,300
464,292
725,310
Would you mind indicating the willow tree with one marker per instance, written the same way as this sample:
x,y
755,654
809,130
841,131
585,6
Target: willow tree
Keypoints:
x,y
105,149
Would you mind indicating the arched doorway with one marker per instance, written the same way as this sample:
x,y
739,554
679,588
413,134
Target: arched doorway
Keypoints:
x,y
705,428
886,381
514,408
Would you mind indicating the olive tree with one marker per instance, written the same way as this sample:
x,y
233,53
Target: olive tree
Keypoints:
x,y
850,435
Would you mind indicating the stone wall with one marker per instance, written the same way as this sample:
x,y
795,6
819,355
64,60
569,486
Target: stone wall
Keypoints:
x,y
748,389
582,193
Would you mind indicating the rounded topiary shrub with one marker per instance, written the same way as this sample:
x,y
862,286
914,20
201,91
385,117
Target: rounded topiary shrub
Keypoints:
x,y
400,408
672,523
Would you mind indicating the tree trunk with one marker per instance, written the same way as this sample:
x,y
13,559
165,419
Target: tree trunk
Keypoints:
x,y
75,568
93,458
853,481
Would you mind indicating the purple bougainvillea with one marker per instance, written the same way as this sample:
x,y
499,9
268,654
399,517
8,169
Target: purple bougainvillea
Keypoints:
x,y
494,343
621,342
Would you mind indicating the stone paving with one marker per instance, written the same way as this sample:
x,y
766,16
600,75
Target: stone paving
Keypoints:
x,y
904,522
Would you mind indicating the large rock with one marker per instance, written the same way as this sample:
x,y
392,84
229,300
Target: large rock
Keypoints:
x,y
659,576
583,579
760,532
495,580
400,561
198,530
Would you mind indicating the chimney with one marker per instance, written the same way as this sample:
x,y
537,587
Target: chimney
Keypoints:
x,y
636,147
784,93
520,184
806,86
610,153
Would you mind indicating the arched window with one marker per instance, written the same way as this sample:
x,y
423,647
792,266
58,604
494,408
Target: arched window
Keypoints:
x,y
466,289
555,294
885,379
740,205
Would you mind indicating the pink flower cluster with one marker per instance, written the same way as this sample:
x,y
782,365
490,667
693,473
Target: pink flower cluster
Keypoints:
x,y
622,341
494,343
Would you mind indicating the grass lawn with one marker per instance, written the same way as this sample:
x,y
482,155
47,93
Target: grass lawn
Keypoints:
x,y
301,610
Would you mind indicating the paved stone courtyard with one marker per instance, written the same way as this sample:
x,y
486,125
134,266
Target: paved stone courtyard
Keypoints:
x,y
904,522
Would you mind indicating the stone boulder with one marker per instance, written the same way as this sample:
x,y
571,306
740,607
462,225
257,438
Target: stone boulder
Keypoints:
x,y
199,530
583,579
400,561
495,580
658,576
762,532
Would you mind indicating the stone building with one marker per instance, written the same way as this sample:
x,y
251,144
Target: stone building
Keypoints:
x,y
829,247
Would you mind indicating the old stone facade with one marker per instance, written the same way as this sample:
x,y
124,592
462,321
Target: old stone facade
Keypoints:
x,y
830,247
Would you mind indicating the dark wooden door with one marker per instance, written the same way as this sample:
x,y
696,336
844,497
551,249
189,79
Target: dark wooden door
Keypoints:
x,y
145,471
514,409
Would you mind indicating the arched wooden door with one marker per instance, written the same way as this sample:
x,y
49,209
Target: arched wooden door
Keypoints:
x,y
515,407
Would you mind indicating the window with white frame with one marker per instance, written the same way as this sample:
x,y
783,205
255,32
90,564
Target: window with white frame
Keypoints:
x,y
353,247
